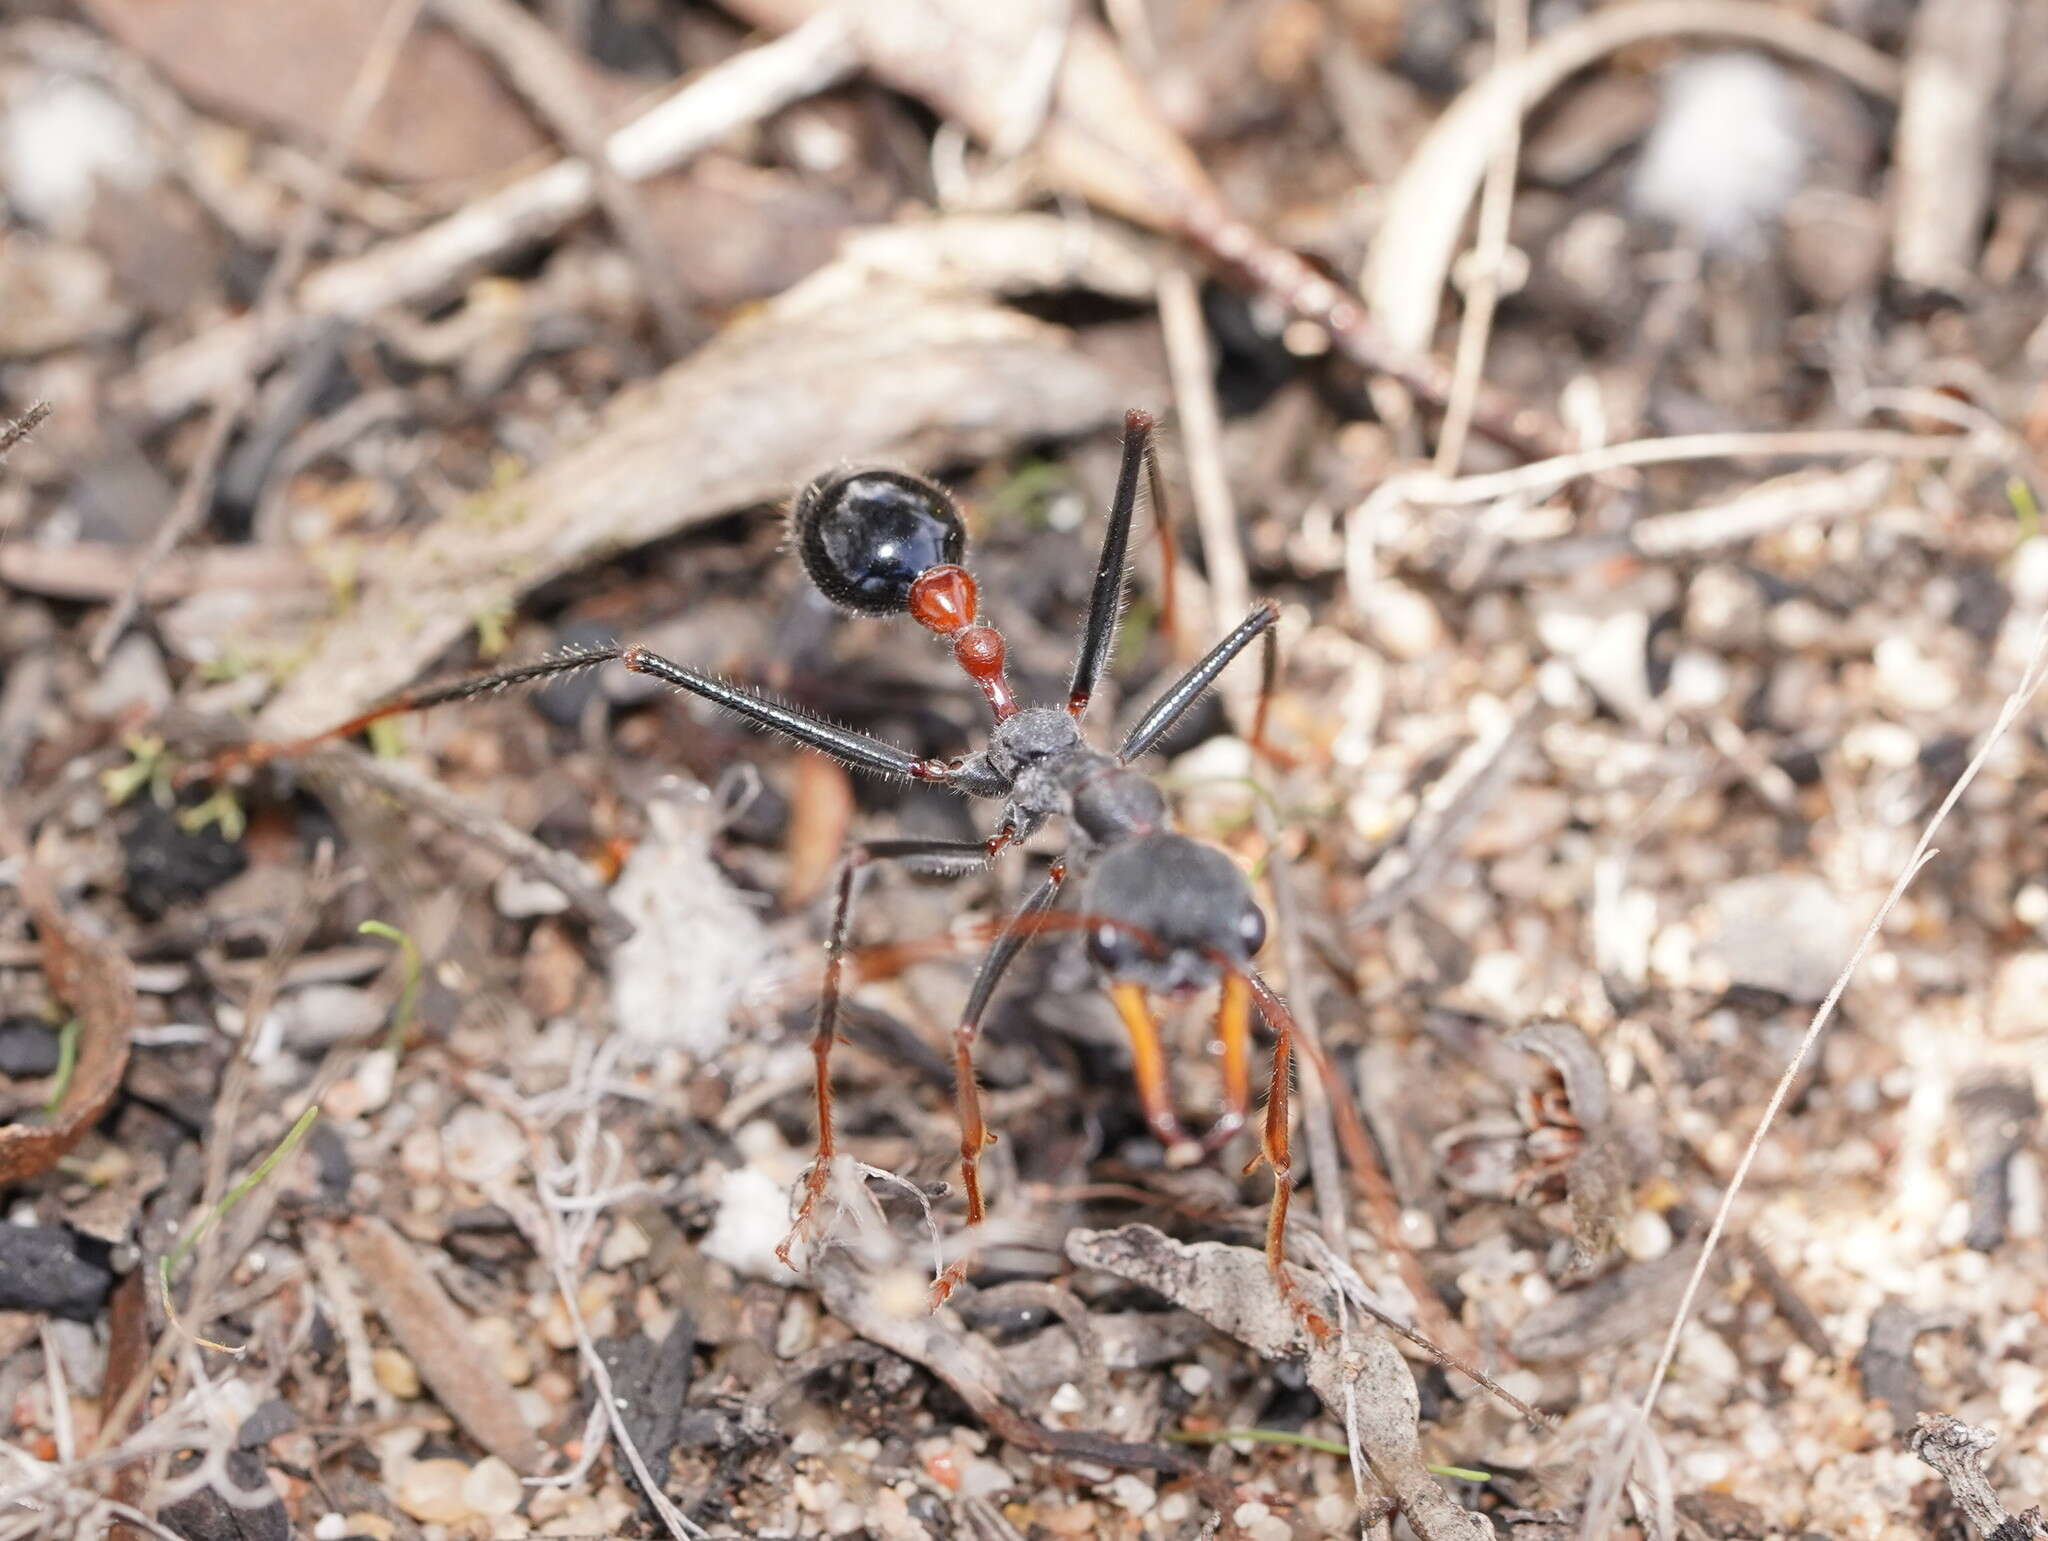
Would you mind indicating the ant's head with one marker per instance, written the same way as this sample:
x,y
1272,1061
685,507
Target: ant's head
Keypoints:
x,y
1174,914
889,543
866,537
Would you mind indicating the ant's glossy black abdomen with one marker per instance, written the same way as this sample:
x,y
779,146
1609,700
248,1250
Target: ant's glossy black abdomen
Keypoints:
x,y
866,536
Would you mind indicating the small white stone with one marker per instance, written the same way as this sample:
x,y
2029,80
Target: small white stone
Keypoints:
x,y
1909,679
1647,1236
519,897
330,1527
1194,1378
2030,905
396,1373
432,1491
492,1487
1401,621
1067,1399
376,1075
1335,1513
1699,681
626,1244
1884,745
1133,1494
480,1144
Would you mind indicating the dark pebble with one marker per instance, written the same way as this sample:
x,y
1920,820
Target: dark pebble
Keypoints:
x,y
167,866
28,1048
52,1268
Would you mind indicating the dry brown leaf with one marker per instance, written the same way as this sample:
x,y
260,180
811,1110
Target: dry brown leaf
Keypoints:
x,y
463,1377
903,374
290,68
92,979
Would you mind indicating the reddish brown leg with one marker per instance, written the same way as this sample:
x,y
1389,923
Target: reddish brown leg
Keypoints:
x,y
1277,1152
826,1031
974,1135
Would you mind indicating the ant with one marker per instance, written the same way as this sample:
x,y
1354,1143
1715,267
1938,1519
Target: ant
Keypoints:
x,y
1163,913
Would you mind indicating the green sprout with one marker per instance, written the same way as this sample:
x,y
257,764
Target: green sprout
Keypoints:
x,y
223,809
67,1063
409,987
149,765
168,1263
2025,508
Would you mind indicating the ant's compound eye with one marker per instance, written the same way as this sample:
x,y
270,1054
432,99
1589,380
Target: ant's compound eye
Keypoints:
x,y
1112,949
865,536
1251,930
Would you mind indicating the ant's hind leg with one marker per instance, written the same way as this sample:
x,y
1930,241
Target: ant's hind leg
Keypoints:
x,y
974,1135
970,854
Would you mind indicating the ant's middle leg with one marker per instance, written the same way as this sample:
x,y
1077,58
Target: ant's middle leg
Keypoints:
x,y
959,857
974,1135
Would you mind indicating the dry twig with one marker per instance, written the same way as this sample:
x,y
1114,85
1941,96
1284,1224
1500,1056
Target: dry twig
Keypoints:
x,y
1362,1379
271,307
1956,1450
742,90
541,70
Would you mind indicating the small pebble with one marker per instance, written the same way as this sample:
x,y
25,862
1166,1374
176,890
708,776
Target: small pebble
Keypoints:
x,y
492,1487
131,680
1067,1399
1194,1378
1909,679
1133,1494
396,1373
626,1244
432,1491
1647,1236
1402,622
519,897
318,1016
1884,745
503,1341
1699,681
480,1144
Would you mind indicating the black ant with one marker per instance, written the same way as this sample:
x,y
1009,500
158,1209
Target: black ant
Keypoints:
x,y
1161,912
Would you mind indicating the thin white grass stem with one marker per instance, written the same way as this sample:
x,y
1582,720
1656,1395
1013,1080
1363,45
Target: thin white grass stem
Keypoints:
x,y
1608,1482
1489,250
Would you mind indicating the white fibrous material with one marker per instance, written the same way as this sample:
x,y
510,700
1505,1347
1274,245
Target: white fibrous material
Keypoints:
x,y
752,1219
697,946
61,140
1727,150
